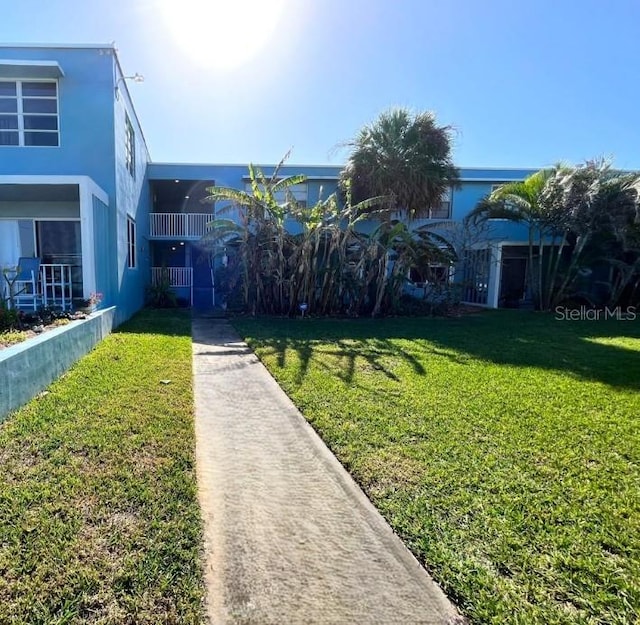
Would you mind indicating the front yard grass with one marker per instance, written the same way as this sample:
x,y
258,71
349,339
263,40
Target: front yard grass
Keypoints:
x,y
504,448
99,520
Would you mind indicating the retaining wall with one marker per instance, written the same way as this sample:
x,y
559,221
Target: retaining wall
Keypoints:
x,y
28,368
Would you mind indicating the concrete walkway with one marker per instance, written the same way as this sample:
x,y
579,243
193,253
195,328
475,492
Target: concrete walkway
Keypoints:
x,y
290,539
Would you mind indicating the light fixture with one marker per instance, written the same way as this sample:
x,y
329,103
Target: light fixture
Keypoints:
x,y
181,242
136,78
176,181
173,248
186,197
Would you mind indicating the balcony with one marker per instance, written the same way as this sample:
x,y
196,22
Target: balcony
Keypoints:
x,y
187,226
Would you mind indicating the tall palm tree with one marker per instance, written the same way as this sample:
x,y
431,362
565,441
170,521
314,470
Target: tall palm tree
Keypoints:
x,y
405,157
328,264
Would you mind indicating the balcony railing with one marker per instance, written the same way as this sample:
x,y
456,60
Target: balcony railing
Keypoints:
x,y
53,287
178,277
178,225
57,288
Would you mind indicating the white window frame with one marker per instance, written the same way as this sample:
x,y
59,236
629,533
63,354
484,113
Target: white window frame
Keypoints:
x,y
129,146
20,114
132,256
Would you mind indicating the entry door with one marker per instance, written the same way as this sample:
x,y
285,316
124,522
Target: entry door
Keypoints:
x,y
202,279
513,281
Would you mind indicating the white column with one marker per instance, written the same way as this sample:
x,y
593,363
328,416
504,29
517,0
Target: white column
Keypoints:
x,y
495,271
88,248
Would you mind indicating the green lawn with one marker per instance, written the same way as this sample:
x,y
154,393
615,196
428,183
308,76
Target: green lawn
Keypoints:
x,y
504,448
99,520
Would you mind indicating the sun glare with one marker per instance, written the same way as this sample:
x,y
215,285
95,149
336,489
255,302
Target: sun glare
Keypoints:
x,y
222,34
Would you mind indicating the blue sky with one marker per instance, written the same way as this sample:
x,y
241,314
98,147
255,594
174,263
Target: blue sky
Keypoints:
x,y
524,83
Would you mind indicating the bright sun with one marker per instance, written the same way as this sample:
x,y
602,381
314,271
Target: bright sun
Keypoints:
x,y
223,34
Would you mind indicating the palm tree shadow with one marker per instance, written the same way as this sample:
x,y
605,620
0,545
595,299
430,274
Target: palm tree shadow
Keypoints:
x,y
590,351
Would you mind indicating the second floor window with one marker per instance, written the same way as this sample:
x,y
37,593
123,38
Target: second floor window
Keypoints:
x,y
130,147
29,113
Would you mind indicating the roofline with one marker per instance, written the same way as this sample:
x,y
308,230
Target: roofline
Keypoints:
x,y
61,46
328,166
133,107
246,164
480,168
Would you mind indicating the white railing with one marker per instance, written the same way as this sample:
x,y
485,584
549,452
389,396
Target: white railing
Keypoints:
x,y
178,225
177,276
55,281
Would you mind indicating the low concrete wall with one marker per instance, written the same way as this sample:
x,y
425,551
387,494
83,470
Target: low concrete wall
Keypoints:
x,y
28,368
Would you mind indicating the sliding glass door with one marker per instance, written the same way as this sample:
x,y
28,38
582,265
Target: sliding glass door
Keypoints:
x,y
58,243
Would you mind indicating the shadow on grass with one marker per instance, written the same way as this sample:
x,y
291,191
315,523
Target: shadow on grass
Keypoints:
x,y
510,338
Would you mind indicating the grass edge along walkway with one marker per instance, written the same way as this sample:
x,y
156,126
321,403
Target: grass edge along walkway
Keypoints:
x,y
99,519
502,447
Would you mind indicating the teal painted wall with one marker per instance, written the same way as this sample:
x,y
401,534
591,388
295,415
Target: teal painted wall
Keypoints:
x,y
29,367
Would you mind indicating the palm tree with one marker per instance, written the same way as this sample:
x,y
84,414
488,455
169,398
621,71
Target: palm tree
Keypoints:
x,y
522,202
603,208
329,264
405,157
573,215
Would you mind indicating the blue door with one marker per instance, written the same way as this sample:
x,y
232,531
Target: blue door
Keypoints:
x,y
202,279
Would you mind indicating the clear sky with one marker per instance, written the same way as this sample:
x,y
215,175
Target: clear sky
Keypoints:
x,y
524,83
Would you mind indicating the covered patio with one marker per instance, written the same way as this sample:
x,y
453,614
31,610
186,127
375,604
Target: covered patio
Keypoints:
x,y
50,224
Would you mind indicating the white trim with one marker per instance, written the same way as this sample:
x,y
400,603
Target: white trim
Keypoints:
x,y
87,240
42,218
494,180
311,177
245,165
21,114
477,168
47,65
495,276
61,46
44,180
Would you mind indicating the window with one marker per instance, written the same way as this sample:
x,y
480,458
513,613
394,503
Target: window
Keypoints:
x,y
131,244
29,113
129,146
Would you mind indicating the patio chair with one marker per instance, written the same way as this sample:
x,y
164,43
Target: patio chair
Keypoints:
x,y
25,286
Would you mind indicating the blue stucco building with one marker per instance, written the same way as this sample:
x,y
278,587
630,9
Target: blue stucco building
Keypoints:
x,y
79,191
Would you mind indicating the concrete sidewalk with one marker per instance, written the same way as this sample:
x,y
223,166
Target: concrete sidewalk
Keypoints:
x,y
290,539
